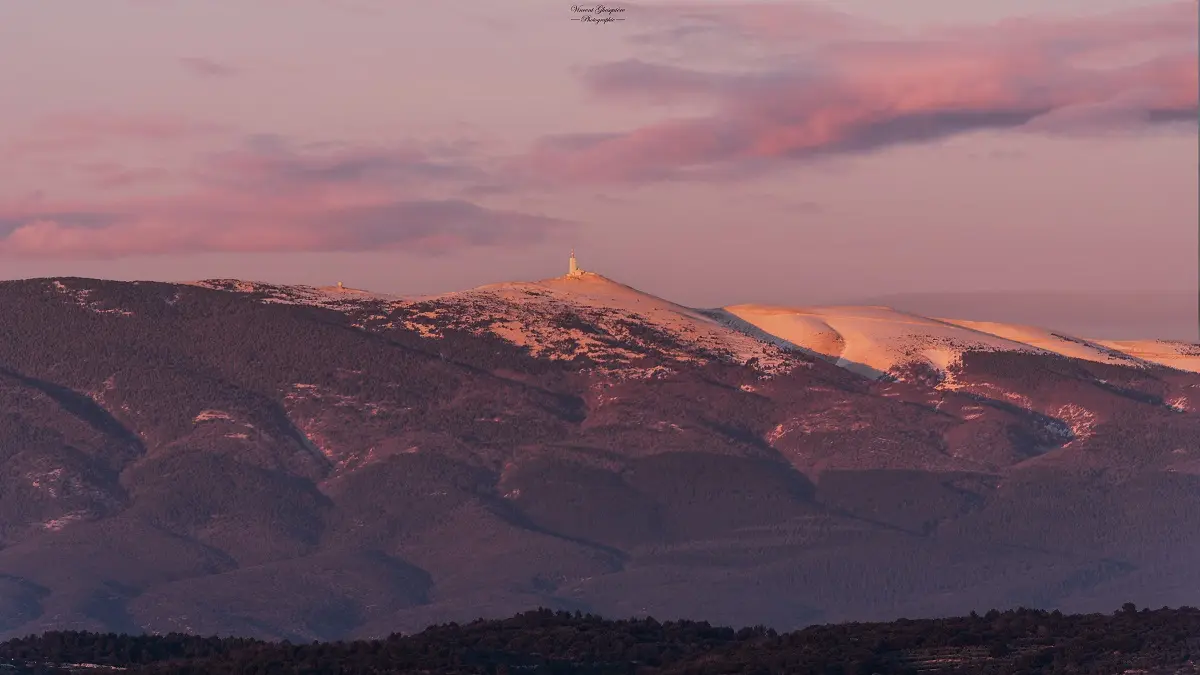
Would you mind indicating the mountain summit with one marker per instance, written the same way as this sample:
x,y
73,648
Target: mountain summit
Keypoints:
x,y
320,463
871,341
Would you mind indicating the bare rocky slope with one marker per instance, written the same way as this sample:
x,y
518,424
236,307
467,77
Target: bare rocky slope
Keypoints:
x,y
295,463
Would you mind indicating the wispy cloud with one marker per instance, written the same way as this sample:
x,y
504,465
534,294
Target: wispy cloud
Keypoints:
x,y
197,224
204,67
272,164
1051,76
271,195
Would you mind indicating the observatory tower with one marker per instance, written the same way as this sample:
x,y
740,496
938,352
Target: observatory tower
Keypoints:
x,y
574,270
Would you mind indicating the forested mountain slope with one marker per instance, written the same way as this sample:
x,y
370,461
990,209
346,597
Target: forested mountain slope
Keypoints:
x,y
294,463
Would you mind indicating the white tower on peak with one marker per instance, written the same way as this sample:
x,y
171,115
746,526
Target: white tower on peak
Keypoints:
x,y
574,270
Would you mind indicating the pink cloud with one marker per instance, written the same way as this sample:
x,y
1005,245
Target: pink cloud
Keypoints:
x,y
272,165
862,95
196,225
269,196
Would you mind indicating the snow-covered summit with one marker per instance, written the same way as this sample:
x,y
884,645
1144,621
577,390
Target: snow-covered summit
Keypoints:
x,y
878,340
873,341
588,315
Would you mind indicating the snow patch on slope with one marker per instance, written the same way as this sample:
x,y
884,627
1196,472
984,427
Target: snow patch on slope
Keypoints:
x,y
1172,354
82,297
874,341
330,297
1079,420
57,524
1057,343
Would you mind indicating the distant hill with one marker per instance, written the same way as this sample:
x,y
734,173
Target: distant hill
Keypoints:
x,y
280,462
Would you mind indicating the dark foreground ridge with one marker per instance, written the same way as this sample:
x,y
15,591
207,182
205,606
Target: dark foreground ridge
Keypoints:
x,y
544,641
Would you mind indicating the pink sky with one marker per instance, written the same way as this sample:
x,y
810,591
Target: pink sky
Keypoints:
x,y
711,152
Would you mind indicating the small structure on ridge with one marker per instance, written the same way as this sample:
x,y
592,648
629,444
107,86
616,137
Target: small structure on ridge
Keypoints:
x,y
574,270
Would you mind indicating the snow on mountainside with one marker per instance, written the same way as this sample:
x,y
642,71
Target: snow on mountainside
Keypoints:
x,y
613,325
877,340
873,340
531,314
585,316
1173,354
248,456
1058,343
332,297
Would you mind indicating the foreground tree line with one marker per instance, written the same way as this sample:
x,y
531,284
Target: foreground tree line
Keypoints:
x,y
544,641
